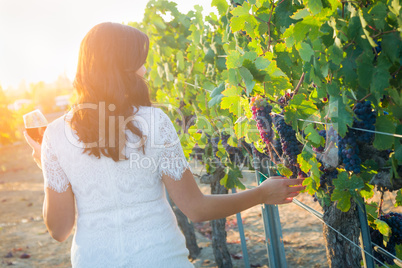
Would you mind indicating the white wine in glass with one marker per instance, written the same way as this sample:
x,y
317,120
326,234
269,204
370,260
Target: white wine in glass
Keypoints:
x,y
35,124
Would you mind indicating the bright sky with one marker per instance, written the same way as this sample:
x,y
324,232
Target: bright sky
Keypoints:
x,y
39,40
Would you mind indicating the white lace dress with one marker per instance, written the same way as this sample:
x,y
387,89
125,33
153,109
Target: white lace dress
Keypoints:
x,y
124,218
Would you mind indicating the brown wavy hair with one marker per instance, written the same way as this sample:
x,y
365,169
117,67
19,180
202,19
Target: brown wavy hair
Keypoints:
x,y
110,54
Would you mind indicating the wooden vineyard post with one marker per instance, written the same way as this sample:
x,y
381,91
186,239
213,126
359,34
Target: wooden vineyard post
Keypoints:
x,y
272,224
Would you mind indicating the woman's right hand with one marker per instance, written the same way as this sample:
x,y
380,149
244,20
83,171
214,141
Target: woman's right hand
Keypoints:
x,y
36,149
280,190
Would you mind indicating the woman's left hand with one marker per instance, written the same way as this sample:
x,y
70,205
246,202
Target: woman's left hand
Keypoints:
x,y
36,149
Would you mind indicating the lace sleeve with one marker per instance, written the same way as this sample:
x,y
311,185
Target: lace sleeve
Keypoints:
x,y
172,160
53,174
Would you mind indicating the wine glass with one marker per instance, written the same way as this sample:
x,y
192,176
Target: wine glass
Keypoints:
x,y
35,124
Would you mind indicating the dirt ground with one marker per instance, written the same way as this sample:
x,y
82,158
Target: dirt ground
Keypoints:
x,y
23,233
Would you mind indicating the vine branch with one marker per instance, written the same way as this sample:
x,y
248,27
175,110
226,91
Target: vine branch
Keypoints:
x,y
299,84
386,32
269,26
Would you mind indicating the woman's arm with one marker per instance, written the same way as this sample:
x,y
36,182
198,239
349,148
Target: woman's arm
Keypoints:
x,y
58,208
199,207
59,213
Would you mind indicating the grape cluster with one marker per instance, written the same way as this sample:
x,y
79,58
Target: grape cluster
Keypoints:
x,y
349,152
327,176
290,145
283,100
262,115
394,221
366,119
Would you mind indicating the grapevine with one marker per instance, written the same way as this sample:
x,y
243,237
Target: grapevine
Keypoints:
x,y
349,54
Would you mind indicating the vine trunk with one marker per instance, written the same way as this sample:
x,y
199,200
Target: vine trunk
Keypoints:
x,y
340,252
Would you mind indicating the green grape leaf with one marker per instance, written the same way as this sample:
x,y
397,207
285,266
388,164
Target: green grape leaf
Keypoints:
x,y
231,101
340,115
250,55
252,132
247,78
305,166
246,107
342,198
311,185
241,10
232,141
299,108
301,13
218,90
384,123
234,60
381,75
284,171
306,52
180,60
348,71
237,23
333,89
312,135
365,69
204,125
231,179
233,76
215,100
378,13
391,45
315,6
371,210
383,227
283,12
261,63
343,182
221,5
158,22
367,192
395,7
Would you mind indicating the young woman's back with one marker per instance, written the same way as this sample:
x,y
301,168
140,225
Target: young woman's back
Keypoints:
x,y
124,218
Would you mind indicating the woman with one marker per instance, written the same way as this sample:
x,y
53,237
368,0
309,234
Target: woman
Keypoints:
x,y
98,155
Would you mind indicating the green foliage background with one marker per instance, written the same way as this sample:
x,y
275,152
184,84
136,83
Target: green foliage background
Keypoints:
x,y
347,51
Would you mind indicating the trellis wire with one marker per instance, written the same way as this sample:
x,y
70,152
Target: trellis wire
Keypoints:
x,y
384,252
319,216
